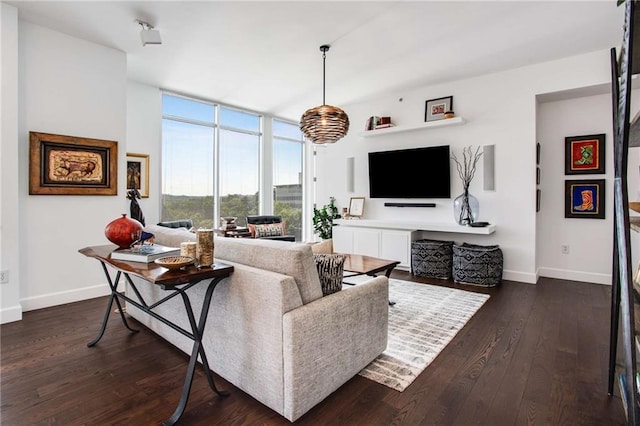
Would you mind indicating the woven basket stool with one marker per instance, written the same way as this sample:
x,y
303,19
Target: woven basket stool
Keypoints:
x,y
431,258
477,265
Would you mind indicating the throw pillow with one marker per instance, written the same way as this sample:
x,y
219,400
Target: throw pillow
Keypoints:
x,y
252,229
269,230
330,270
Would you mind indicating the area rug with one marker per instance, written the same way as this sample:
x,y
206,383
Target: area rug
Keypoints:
x,y
423,321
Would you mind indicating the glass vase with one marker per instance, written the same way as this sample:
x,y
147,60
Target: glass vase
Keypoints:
x,y
466,208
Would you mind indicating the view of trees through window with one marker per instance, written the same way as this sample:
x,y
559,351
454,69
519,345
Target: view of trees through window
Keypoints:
x,y
287,175
190,167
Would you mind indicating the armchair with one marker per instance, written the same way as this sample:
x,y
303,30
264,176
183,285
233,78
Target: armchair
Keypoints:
x,y
259,228
183,223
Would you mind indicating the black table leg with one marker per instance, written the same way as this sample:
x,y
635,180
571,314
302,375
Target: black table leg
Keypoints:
x,y
372,274
197,350
388,275
112,298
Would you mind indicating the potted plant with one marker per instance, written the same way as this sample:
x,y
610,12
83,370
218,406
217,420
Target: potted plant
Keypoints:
x,y
323,219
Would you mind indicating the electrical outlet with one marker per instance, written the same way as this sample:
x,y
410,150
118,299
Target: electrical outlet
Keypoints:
x,y
4,277
565,249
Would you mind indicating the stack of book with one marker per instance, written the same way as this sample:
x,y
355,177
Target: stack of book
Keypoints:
x,y
145,253
375,123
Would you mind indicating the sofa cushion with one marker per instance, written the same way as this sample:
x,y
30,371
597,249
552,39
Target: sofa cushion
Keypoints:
x,y
323,247
293,259
170,237
269,230
330,270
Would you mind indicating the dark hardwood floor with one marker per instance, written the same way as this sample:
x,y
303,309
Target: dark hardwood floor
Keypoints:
x,y
533,354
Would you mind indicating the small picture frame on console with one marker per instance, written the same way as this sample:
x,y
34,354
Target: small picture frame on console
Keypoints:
x,y
356,207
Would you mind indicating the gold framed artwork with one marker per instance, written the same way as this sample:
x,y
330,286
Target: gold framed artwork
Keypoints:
x,y
138,173
71,165
356,206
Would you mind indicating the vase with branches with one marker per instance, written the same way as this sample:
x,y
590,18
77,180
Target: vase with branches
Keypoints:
x,y
466,207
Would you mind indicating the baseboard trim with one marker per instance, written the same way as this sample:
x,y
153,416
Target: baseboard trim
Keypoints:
x,y
566,274
62,297
523,277
11,314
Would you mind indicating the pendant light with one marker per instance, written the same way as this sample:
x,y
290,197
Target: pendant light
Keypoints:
x,y
324,123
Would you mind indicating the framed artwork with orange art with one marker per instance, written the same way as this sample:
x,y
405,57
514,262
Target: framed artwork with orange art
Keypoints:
x,y
72,165
584,199
584,155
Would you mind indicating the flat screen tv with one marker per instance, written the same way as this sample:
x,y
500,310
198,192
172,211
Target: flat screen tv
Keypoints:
x,y
410,173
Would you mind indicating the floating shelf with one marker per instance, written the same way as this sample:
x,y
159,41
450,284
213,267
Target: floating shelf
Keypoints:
x,y
416,225
455,121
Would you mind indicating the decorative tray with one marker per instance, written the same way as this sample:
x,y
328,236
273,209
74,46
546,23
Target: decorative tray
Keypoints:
x,y
174,262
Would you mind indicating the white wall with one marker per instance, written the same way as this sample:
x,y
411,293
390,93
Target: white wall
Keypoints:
x,y
71,87
10,309
500,109
590,240
144,136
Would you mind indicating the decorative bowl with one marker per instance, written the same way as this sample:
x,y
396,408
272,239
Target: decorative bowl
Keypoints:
x,y
174,262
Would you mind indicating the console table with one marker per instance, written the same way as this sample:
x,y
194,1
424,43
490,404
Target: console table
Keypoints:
x,y
416,225
177,282
390,239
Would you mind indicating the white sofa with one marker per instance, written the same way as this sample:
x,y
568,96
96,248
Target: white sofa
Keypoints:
x,y
270,331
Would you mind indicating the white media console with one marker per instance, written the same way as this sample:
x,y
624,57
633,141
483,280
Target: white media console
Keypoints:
x,y
389,239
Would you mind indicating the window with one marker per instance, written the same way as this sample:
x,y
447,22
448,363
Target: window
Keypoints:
x,y
191,163
239,164
187,161
288,148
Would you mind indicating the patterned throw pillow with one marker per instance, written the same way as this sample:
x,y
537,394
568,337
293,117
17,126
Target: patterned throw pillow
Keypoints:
x,y
330,270
269,230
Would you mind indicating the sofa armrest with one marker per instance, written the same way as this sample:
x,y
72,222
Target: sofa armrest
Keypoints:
x,y
328,341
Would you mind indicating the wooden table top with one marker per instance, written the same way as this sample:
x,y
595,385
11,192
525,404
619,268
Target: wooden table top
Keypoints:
x,y
154,273
367,264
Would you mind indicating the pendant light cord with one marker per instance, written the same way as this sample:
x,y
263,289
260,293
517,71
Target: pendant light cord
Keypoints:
x,y
324,49
324,61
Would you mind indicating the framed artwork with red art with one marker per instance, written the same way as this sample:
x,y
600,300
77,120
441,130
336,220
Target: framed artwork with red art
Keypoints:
x,y
584,155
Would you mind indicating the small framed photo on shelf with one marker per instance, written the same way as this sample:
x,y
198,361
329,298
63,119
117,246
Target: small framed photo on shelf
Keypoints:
x,y
356,206
584,155
138,173
584,199
435,108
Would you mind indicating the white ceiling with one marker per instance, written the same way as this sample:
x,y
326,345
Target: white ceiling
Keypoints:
x,y
265,55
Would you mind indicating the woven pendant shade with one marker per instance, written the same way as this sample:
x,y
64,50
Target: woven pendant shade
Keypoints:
x,y
324,123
